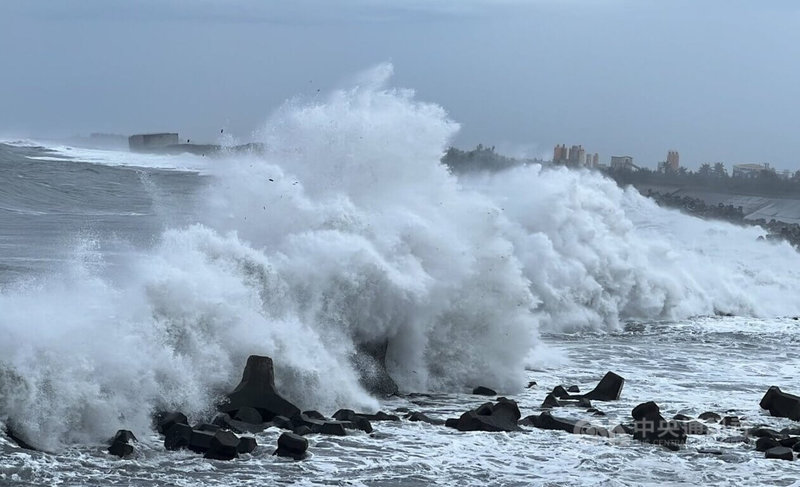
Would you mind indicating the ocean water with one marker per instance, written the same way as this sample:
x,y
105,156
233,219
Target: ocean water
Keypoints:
x,y
131,283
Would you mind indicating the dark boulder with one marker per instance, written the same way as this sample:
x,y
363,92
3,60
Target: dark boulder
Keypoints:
x,y
422,417
247,444
323,426
531,384
790,442
344,415
178,436
734,439
651,427
762,432
292,446
682,417
257,390
19,440
484,391
284,423
501,416
224,446
302,430
559,392
644,410
200,441
362,424
314,414
224,421
166,420
731,421
764,444
608,389
370,361
248,415
780,453
122,444
710,416
550,401
781,404
573,389
547,421
206,427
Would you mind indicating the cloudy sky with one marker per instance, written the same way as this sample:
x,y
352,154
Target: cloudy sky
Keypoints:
x,y
718,80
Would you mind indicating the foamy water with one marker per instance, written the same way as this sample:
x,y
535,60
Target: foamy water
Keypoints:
x,y
347,232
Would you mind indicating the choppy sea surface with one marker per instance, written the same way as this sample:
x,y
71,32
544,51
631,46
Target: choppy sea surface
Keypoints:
x,y
131,283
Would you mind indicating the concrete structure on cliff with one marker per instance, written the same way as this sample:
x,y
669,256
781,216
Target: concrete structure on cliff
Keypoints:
x,y
149,142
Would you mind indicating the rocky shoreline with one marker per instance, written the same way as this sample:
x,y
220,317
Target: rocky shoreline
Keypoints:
x,y
254,406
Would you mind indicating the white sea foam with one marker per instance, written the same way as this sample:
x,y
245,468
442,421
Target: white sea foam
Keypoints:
x,y
348,231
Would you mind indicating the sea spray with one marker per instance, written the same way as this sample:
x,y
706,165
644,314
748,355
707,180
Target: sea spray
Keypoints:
x,y
346,232
596,254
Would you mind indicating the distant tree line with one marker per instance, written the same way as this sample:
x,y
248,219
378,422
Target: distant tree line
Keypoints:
x,y
712,177
479,159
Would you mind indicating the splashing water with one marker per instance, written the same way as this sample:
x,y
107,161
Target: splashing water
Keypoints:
x,y
348,233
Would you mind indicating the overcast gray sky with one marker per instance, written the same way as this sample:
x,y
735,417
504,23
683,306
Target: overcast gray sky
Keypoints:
x,y
718,80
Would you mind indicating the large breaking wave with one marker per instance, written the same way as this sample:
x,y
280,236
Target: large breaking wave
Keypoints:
x,y
349,235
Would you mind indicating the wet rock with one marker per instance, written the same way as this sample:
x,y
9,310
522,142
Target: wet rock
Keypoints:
x,y
302,430
734,439
314,414
781,404
780,453
764,444
730,421
651,427
501,416
644,410
709,451
292,446
323,426
584,403
224,421
200,441
761,432
790,442
573,389
681,417
790,431
283,422
484,391
547,421
248,415
370,361
224,446
122,444
166,420
257,390
16,438
178,436
422,417
247,444
206,427
608,389
559,392
550,401
626,428
710,416
531,384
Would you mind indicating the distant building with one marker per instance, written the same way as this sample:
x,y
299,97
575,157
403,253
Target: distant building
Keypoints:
x,y
622,163
560,154
751,170
673,161
144,142
575,156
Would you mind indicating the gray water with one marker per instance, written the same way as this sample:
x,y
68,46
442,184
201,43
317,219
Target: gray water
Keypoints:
x,y
132,283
